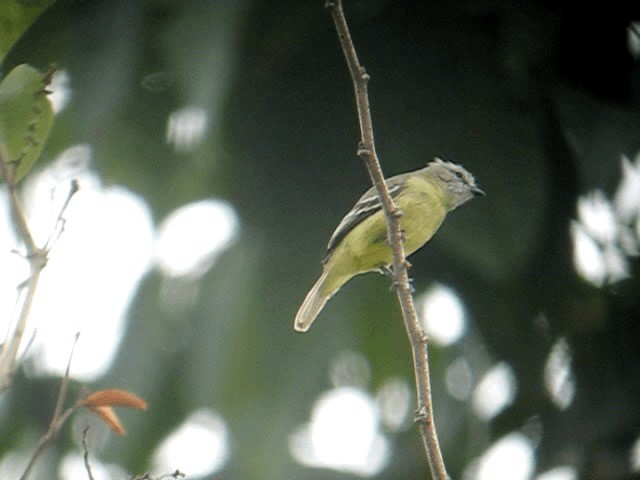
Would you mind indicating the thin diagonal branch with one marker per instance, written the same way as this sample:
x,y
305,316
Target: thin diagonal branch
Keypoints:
x,y
37,258
58,420
9,176
417,338
87,463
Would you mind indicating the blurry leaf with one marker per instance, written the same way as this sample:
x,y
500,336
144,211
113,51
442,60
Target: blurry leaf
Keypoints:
x,y
114,397
108,416
100,403
15,17
26,118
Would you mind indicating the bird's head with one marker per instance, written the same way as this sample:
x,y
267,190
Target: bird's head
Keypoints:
x,y
457,181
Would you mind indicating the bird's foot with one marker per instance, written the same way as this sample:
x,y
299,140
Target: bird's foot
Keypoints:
x,y
387,270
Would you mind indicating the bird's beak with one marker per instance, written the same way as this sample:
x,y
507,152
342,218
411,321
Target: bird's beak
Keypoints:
x,y
477,192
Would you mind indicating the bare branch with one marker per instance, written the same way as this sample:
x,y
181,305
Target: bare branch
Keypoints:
x,y
8,174
62,394
87,464
47,438
57,421
74,187
417,338
148,476
37,258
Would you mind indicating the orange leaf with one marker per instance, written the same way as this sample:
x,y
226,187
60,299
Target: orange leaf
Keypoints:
x,y
108,416
114,397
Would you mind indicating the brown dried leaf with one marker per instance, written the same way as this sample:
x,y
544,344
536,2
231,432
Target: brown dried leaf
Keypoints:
x,y
114,397
108,416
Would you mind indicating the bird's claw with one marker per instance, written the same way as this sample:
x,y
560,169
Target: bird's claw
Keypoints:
x,y
387,270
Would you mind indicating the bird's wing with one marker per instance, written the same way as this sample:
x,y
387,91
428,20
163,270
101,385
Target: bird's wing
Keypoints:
x,y
366,206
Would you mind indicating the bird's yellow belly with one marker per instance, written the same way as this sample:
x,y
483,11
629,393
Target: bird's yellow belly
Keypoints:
x,y
365,248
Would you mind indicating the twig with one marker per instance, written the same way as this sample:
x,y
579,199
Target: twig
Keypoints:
x,y
87,464
62,394
9,176
57,421
148,476
74,187
417,337
37,258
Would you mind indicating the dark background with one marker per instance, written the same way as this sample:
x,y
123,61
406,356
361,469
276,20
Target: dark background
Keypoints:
x,y
538,99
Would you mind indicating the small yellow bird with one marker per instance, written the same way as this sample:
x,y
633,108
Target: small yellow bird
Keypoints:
x,y
359,244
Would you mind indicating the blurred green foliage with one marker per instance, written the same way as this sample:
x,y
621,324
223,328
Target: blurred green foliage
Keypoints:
x,y
26,117
15,17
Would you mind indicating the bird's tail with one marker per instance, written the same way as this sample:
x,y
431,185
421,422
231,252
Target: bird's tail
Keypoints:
x,y
312,305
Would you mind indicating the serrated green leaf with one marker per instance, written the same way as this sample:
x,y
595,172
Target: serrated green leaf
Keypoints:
x,y
26,118
15,17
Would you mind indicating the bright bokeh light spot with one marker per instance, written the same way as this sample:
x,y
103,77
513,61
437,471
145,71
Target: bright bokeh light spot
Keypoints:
x,y
564,472
495,391
588,259
93,269
395,399
13,463
350,369
72,467
356,414
596,213
443,316
510,458
634,456
343,434
627,197
60,89
558,376
192,236
616,262
459,379
200,446
186,128
633,39
608,232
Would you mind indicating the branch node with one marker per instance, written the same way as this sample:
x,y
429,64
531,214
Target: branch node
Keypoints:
x,y
421,416
38,259
363,152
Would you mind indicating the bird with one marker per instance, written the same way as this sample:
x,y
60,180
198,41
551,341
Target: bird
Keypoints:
x,y
359,243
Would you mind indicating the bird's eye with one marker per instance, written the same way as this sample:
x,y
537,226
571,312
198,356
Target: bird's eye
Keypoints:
x,y
459,175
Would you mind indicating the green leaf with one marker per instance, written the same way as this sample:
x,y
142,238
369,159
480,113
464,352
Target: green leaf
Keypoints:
x,y
26,118
15,17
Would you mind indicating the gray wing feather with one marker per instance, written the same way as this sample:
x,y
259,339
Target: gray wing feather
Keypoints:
x,y
366,206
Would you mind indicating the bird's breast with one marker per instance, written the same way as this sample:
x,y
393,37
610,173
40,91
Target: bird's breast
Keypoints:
x,y
422,215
